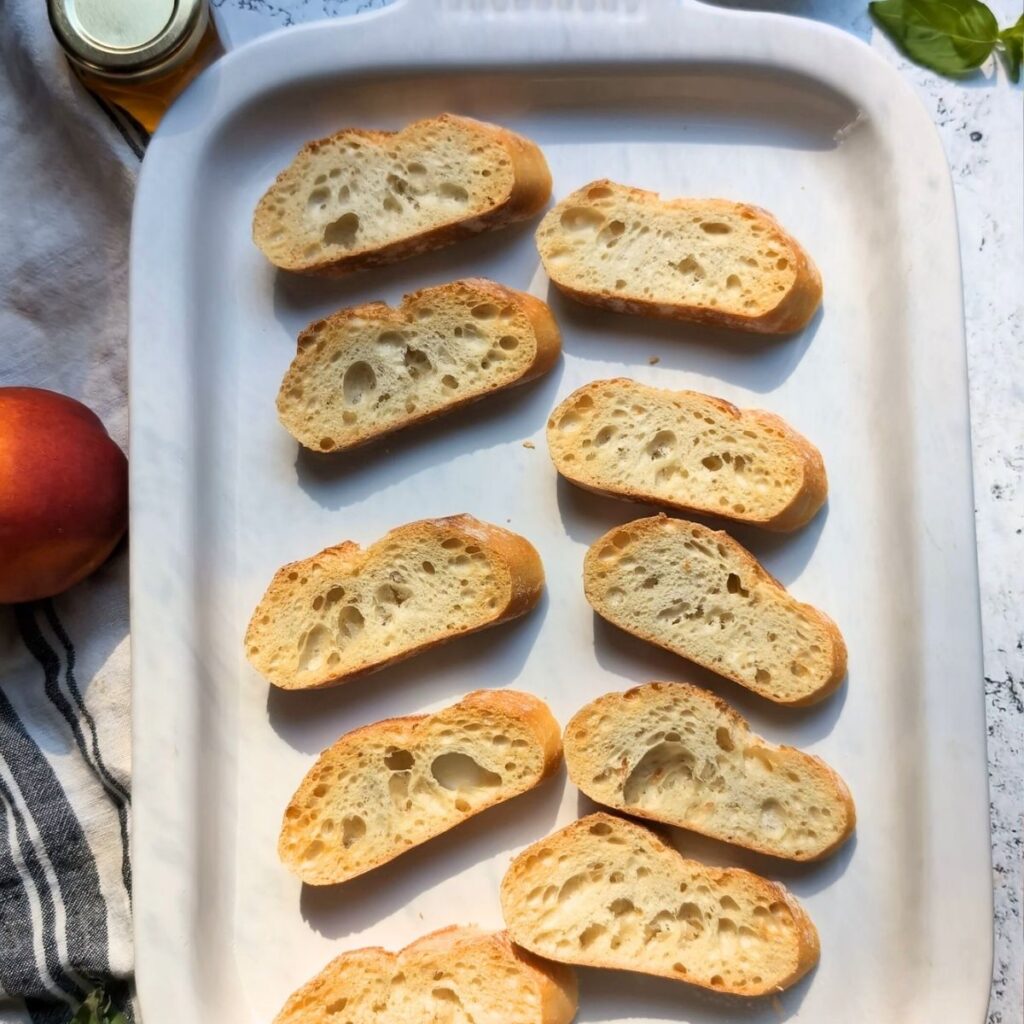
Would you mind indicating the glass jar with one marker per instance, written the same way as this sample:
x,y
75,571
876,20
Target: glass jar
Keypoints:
x,y
139,54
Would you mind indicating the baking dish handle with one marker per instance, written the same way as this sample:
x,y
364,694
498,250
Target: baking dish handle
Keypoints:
x,y
638,10
513,12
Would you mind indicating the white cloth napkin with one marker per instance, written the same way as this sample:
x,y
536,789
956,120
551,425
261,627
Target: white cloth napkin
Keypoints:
x,y
67,174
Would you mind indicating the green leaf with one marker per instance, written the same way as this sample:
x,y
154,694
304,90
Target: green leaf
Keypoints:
x,y
889,15
948,36
1012,42
96,1009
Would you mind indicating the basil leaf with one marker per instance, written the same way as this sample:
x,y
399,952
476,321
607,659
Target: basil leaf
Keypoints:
x,y
948,36
96,1009
88,1012
1012,40
889,15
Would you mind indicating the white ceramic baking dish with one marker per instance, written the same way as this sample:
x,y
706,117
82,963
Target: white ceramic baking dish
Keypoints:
x,y
682,98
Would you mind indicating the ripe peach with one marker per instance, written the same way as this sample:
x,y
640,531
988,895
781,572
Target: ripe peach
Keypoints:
x,y
63,493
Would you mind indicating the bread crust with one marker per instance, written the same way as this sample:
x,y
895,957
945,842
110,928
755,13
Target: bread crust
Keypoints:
x,y
583,765
655,524
495,708
524,707
516,560
527,195
790,314
808,946
554,985
547,338
804,505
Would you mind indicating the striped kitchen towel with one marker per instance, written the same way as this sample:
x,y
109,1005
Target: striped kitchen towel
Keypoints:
x,y
65,874
68,164
67,174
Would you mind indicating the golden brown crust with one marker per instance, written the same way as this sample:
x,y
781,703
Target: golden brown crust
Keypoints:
x,y
814,486
531,174
655,523
545,329
526,708
554,985
526,571
530,190
515,561
496,709
791,314
547,338
802,508
579,765
808,947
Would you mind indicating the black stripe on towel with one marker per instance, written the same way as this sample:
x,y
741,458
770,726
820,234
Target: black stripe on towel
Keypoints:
x,y
120,995
109,782
30,770
48,1013
19,972
65,844
40,649
135,136
90,752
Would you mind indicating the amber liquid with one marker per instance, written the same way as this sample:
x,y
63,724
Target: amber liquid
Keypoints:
x,y
147,101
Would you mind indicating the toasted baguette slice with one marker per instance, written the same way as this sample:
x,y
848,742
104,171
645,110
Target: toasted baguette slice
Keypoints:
x,y
362,198
708,260
672,752
698,593
347,611
387,787
455,975
366,371
688,451
604,892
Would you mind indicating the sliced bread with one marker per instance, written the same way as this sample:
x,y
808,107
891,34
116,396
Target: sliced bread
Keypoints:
x,y
688,451
348,610
387,787
458,975
364,372
708,260
672,752
362,198
604,892
698,593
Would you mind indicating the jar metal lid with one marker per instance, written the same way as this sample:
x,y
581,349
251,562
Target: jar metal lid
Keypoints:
x,y
125,36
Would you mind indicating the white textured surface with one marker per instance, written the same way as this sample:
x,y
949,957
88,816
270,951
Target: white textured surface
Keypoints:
x,y
980,122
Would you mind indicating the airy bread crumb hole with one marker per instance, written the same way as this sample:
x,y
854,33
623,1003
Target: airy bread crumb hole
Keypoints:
x,y
342,231
352,830
459,772
398,760
358,382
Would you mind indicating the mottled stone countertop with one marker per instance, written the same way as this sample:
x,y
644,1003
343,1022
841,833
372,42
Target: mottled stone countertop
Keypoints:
x,y
981,121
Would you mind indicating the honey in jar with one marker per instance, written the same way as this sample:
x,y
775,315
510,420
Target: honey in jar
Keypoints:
x,y
139,54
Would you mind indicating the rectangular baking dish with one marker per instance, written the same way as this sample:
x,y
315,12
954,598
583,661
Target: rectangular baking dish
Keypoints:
x,y
681,98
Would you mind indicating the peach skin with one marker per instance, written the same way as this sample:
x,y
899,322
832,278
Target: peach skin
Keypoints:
x,y
63,493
